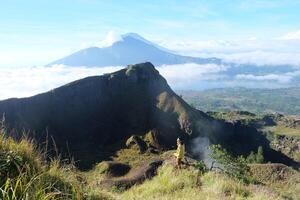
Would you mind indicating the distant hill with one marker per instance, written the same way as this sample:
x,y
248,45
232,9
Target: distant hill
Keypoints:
x,y
284,100
131,49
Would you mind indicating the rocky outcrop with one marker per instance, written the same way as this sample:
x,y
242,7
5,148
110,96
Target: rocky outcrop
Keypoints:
x,y
137,141
283,120
144,172
113,169
288,145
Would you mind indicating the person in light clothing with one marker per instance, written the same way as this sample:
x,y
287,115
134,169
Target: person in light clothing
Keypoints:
x,y
179,152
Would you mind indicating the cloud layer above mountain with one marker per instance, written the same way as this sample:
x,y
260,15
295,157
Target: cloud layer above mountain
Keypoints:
x,y
23,82
283,50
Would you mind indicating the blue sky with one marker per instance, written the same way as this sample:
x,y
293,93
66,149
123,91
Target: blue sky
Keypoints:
x,y
38,32
259,32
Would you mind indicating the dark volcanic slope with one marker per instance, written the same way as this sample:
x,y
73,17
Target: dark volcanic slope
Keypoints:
x,y
92,117
89,114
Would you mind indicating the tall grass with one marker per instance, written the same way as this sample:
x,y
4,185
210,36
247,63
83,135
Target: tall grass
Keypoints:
x,y
25,174
182,184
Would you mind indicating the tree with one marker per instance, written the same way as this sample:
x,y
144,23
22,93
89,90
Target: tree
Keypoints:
x,y
201,168
234,167
260,155
251,158
256,157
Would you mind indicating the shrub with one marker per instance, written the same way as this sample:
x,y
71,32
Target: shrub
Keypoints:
x,y
234,167
201,167
251,158
260,155
256,157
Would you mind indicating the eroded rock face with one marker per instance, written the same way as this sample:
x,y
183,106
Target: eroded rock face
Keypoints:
x,y
288,145
138,142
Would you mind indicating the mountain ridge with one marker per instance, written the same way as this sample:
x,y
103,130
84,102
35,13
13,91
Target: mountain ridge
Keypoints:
x,y
93,114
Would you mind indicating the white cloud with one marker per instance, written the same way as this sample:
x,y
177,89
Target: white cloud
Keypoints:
x,y
185,75
23,82
261,58
110,39
268,77
195,76
28,81
246,51
295,35
281,78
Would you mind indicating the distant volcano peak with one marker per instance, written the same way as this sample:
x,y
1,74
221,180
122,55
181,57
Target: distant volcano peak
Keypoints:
x,y
136,37
131,48
133,35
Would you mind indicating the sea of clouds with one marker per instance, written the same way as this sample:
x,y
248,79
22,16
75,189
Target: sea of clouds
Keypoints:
x,y
28,81
282,50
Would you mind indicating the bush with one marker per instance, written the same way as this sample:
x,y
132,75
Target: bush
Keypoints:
x,y
256,157
260,155
201,167
251,158
234,167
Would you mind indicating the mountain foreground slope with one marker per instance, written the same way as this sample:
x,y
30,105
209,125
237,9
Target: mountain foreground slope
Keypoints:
x,y
92,118
51,180
94,114
121,126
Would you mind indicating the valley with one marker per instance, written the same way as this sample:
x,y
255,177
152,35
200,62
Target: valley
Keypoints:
x,y
255,100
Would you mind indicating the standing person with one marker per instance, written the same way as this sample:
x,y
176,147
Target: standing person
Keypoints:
x,y
179,152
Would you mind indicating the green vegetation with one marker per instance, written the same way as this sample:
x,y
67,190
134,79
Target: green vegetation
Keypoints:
x,y
25,174
282,179
133,157
245,117
201,167
288,145
234,167
285,100
256,157
269,124
282,131
182,184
